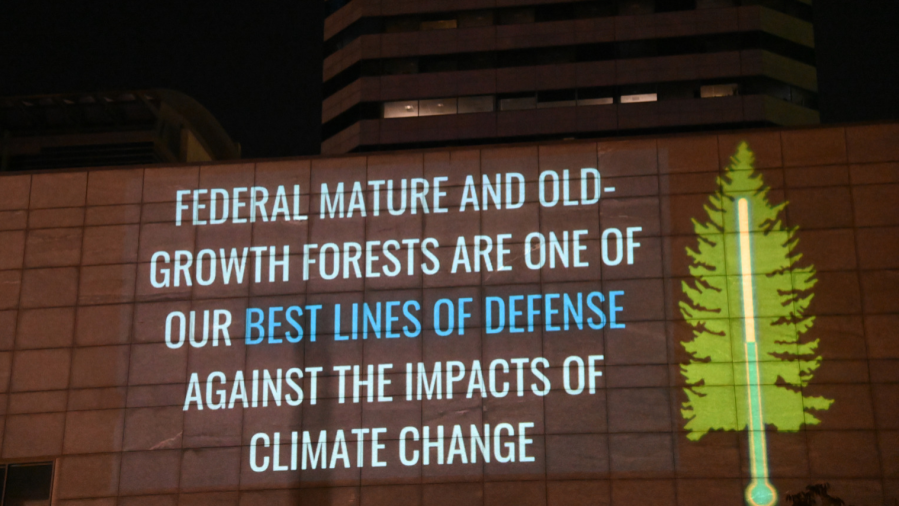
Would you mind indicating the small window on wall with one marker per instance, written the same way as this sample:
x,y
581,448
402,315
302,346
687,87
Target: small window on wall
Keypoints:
x,y
440,63
720,43
554,56
437,107
595,52
596,96
803,98
516,16
403,109
772,88
718,90
27,484
678,90
398,66
553,12
715,4
596,101
679,46
440,24
476,61
640,97
638,49
586,10
370,67
636,7
518,103
476,104
475,19
556,98
675,5
515,58
777,5
401,24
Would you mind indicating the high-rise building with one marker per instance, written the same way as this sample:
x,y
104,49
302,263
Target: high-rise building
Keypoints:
x,y
401,74
136,127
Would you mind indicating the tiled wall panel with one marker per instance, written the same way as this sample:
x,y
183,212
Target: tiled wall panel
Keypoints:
x,y
87,379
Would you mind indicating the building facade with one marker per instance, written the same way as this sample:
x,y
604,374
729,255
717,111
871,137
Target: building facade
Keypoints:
x,y
135,127
699,319
427,74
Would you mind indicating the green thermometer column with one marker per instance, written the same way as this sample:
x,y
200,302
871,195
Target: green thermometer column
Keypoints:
x,y
760,491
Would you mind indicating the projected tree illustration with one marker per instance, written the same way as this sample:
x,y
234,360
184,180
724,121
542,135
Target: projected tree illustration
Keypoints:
x,y
747,304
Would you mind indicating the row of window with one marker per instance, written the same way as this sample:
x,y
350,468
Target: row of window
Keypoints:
x,y
542,13
605,95
26,484
489,103
704,44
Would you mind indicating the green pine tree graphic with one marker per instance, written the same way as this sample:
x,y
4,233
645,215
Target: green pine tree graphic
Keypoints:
x,y
747,303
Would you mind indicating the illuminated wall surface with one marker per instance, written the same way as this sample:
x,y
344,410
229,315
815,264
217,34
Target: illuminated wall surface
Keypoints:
x,y
683,320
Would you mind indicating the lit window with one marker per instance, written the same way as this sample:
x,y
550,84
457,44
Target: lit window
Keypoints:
x,y
517,104
437,107
718,90
475,104
441,24
403,109
643,97
596,101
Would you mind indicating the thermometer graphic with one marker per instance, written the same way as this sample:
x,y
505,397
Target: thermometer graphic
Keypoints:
x,y
760,492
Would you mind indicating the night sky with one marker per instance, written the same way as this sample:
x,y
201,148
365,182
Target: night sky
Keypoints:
x,y
257,65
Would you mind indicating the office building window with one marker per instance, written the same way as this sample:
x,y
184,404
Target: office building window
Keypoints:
x,y
516,16
595,101
477,61
636,7
476,104
640,97
439,63
402,24
715,4
554,12
720,43
475,19
638,48
395,66
518,103
678,90
718,90
675,5
586,10
554,55
26,484
437,107
556,98
403,109
440,24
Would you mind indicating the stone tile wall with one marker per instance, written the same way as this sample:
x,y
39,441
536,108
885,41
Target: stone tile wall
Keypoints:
x,y
87,380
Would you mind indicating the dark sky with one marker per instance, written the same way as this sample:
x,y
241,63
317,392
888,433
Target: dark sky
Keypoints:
x,y
256,65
